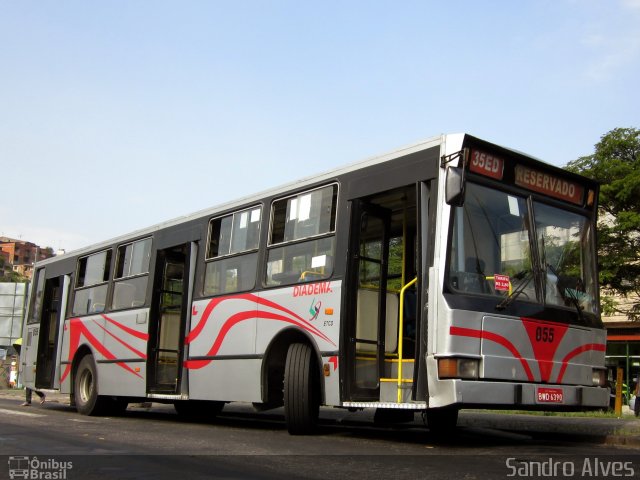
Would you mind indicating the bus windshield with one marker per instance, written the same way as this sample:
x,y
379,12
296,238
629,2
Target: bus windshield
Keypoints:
x,y
498,250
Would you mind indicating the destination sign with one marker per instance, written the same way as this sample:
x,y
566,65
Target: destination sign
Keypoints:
x,y
548,184
486,164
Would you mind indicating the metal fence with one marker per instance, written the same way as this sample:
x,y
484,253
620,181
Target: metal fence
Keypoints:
x,y
13,301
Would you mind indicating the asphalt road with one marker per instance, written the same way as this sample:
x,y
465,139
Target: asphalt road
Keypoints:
x,y
155,443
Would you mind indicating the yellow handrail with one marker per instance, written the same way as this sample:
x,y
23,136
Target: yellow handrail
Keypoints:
x,y
400,331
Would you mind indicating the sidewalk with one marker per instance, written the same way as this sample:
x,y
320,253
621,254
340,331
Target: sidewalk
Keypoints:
x,y
53,396
624,431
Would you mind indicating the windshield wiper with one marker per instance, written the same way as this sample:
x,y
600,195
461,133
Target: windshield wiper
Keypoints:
x,y
567,293
526,276
573,298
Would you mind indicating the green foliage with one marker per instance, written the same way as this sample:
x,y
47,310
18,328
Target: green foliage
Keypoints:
x,y
8,275
616,165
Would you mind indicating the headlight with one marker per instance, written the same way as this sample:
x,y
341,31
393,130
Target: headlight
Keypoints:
x,y
599,377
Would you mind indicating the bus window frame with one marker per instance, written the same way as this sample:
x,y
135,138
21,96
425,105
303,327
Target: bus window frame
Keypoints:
x,y
310,237
116,279
229,256
270,246
35,310
208,258
125,278
109,265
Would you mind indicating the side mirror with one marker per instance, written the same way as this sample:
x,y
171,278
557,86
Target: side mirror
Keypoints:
x,y
454,186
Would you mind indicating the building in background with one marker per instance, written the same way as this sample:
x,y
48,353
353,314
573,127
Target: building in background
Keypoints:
x,y
20,255
17,259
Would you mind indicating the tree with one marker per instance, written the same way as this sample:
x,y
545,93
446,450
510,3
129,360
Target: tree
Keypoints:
x,y
616,165
8,275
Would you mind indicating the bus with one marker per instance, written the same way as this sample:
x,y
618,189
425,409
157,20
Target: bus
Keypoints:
x,y
454,273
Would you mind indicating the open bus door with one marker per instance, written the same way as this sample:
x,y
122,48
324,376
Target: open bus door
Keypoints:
x,y
382,301
169,314
368,280
49,329
40,351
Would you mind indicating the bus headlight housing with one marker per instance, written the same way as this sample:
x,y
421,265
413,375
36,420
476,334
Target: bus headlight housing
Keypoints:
x,y
599,377
456,367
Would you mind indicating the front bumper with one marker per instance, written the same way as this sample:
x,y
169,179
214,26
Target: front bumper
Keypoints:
x,y
481,393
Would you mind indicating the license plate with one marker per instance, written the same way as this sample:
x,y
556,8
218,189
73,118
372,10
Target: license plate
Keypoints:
x,y
549,395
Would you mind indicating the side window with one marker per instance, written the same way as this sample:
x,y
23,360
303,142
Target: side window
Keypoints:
x,y
301,244
36,306
304,215
131,275
232,252
92,282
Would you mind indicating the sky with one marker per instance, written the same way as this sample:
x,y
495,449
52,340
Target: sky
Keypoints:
x,y
118,115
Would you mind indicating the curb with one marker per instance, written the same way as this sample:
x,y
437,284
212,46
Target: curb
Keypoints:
x,y
622,440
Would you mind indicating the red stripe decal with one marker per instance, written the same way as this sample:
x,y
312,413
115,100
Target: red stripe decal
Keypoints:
x,y
193,334
254,299
122,342
545,341
79,329
290,317
130,331
598,347
494,337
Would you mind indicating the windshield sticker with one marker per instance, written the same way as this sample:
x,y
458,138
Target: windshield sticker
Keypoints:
x,y
502,282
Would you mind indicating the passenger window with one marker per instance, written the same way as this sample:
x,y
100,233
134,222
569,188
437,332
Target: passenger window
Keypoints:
x,y
232,274
302,241
133,259
92,283
94,269
235,233
37,298
231,252
132,268
305,215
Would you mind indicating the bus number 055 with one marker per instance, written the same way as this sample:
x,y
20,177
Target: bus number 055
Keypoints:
x,y
544,334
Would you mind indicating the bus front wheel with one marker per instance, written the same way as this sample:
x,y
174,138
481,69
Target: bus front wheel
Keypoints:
x,y
301,390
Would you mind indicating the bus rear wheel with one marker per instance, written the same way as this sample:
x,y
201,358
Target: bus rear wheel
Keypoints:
x,y
301,390
85,389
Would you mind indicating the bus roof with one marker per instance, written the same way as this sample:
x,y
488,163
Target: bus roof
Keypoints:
x,y
450,143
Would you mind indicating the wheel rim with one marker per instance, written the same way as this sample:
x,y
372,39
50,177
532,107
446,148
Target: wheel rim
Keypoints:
x,y
86,386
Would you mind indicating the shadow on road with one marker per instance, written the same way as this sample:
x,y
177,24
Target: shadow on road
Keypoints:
x,y
360,425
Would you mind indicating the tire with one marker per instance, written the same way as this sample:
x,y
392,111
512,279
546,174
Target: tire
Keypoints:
x,y
301,390
85,389
198,409
442,421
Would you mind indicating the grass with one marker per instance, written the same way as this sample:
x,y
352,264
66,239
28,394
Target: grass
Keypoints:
x,y
589,414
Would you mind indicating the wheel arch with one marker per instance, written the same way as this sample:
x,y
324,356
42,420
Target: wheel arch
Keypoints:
x,y
273,362
81,352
